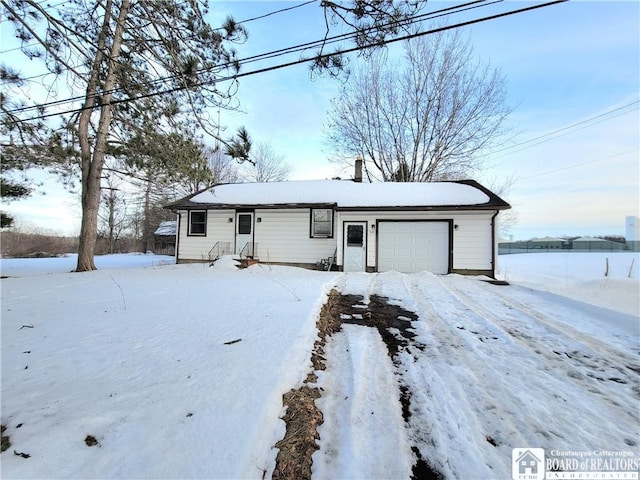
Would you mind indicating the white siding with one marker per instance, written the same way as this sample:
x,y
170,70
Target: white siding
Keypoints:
x,y
283,235
219,229
471,240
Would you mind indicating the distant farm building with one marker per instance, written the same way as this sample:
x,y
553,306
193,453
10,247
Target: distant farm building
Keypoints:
x,y
550,244
591,244
534,245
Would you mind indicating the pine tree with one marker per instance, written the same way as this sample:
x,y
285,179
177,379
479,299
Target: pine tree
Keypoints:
x,y
126,63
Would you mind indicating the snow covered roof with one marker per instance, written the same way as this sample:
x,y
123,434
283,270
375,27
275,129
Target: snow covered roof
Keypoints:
x,y
346,194
548,239
167,228
590,239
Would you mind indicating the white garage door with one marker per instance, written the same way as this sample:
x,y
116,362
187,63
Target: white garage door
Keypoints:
x,y
413,246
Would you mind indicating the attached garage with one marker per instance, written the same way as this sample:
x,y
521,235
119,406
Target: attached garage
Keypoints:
x,y
440,227
415,246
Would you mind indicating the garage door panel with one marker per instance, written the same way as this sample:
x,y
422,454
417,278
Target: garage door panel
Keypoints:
x,y
413,246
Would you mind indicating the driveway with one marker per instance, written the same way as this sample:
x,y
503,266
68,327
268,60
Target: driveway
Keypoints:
x,y
443,376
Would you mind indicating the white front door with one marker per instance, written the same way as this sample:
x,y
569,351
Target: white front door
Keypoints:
x,y
244,233
355,247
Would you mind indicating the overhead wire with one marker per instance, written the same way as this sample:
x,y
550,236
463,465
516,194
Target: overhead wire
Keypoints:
x,y
35,43
282,10
42,75
547,137
575,165
284,51
277,53
241,22
306,60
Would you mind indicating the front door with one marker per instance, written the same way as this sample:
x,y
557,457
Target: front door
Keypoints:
x,y
355,247
244,233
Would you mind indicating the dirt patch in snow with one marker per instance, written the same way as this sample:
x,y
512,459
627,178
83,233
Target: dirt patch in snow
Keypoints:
x,y
302,418
296,448
6,442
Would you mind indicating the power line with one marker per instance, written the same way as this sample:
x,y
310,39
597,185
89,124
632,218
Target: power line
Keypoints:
x,y
35,43
278,11
306,60
325,41
574,165
282,10
42,75
554,134
277,53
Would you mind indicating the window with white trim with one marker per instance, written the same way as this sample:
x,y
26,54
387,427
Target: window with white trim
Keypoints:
x,y
198,222
321,222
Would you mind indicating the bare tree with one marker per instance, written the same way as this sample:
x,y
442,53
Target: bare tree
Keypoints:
x,y
508,219
223,168
112,214
427,118
268,166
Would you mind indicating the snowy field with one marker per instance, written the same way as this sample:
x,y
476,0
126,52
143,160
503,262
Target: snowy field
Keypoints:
x,y
579,275
178,371
20,267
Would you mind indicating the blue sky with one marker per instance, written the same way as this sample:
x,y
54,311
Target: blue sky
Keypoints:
x,y
573,79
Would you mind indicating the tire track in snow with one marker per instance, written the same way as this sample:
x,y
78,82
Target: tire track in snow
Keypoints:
x,y
500,385
356,380
578,354
370,335
475,391
453,415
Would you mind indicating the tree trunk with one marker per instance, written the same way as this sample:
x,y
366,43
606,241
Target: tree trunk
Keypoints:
x,y
146,232
112,222
89,225
92,163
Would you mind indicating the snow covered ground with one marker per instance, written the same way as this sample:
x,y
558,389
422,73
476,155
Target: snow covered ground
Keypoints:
x,y
178,371
20,267
606,279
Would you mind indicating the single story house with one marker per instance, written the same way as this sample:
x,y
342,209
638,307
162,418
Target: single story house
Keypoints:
x,y
442,227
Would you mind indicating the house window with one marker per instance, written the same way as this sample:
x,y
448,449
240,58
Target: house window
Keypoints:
x,y
244,223
355,235
198,223
321,222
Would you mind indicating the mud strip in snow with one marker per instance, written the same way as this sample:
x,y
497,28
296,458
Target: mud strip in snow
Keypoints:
x,y
355,356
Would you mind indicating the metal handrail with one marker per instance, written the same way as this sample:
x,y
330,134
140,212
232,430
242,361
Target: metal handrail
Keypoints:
x,y
332,260
248,251
219,249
